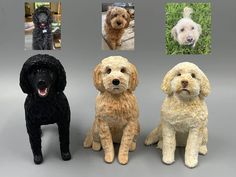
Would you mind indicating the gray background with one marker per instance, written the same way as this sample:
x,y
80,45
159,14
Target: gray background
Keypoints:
x,y
81,51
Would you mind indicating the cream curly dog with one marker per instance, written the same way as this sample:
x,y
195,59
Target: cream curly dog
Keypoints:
x,y
117,20
186,31
116,119
184,114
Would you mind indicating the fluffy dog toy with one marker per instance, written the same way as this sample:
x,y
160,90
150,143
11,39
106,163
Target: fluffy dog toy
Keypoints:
x,y
42,34
116,119
43,78
184,114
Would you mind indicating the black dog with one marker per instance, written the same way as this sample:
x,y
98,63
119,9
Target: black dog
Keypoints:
x,y
43,78
42,34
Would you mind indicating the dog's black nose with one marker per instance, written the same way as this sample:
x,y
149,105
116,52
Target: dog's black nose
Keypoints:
x,y
118,23
184,83
116,82
189,39
41,83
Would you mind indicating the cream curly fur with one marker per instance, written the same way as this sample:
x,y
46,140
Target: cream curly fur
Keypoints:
x,y
184,114
116,119
186,31
117,20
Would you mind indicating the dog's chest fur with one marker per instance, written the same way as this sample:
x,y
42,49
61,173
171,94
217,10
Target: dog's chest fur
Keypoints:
x,y
45,111
117,110
184,115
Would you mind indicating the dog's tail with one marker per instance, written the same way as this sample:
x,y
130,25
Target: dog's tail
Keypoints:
x,y
187,12
88,142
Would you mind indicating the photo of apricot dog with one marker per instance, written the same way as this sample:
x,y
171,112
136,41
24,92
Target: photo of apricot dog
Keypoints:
x,y
118,26
184,114
116,119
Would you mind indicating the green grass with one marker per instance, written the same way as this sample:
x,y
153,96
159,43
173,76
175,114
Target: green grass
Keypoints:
x,y
201,15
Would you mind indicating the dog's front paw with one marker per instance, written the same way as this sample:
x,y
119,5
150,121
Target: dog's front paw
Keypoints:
x,y
168,159
65,156
123,159
38,159
109,157
191,161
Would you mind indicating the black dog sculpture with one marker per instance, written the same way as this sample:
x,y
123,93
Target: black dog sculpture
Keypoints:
x,y
43,78
42,33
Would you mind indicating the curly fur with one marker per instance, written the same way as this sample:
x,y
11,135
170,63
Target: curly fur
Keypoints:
x,y
116,119
42,35
117,20
53,108
184,114
186,31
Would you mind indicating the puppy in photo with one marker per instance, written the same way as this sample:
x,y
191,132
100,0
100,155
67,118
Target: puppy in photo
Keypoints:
x,y
186,31
184,114
117,20
116,119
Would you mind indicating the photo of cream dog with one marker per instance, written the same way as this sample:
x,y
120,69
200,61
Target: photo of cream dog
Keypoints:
x,y
186,31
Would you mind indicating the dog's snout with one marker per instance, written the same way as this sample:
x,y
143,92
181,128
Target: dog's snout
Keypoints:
x,y
118,23
189,39
116,82
184,83
41,83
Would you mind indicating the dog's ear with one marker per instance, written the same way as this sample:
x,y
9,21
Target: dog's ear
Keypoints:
x,y
61,77
174,33
128,18
205,87
24,83
199,28
166,83
97,78
133,80
108,16
35,18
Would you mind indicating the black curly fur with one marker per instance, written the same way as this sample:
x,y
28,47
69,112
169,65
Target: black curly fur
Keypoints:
x,y
42,37
54,108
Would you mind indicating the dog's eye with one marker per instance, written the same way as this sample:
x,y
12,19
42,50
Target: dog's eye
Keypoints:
x,y
115,15
179,74
193,75
123,16
123,70
182,30
193,28
108,70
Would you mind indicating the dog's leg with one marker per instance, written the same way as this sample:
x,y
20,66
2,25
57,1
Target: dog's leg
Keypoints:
x,y
64,137
169,143
192,148
203,143
106,141
126,142
34,133
119,42
112,44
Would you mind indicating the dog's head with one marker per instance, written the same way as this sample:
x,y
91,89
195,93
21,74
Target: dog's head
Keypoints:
x,y
187,81
186,31
117,17
42,17
42,75
115,75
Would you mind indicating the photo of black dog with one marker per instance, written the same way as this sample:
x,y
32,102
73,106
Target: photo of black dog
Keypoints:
x,y
43,78
42,33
